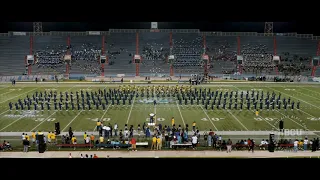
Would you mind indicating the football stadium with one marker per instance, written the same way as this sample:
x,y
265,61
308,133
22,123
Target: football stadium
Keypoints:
x,y
176,85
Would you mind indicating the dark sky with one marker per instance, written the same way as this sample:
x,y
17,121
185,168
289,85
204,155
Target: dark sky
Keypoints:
x,y
279,27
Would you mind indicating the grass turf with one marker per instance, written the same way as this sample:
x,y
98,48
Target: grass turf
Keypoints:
x,y
138,113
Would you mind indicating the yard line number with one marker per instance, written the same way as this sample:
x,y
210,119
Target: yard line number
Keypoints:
x,y
222,89
256,89
314,118
15,89
267,119
50,89
158,119
212,119
99,119
44,119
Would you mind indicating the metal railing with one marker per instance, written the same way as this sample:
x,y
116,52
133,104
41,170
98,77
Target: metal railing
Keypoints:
x,y
100,33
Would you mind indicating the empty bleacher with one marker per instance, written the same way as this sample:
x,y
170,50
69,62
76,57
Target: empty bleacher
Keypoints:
x,y
121,49
13,50
296,51
154,48
49,51
85,54
187,48
222,51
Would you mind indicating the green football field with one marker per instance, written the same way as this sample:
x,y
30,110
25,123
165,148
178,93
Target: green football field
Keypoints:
x,y
307,118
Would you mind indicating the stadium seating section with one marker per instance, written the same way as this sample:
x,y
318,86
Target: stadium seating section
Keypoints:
x,y
154,49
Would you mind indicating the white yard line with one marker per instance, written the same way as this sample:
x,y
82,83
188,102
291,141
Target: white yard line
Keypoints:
x,y
10,91
238,120
310,90
71,121
4,87
184,123
282,113
208,118
304,94
11,123
294,97
105,112
291,119
259,115
129,115
42,122
4,112
77,114
18,95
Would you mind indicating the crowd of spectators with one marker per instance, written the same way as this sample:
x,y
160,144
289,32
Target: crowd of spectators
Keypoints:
x,y
187,53
294,64
50,58
222,56
256,59
154,57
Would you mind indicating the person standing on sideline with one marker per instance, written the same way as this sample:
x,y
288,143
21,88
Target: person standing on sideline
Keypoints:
x,y
70,156
159,143
26,144
133,143
92,139
115,128
154,142
229,146
194,141
305,144
251,145
85,137
295,145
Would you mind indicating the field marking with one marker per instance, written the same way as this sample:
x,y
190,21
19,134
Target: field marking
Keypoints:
x,y
129,115
11,123
42,122
209,118
105,112
284,114
18,95
303,93
4,112
291,119
254,112
71,121
4,87
184,124
238,120
77,114
10,91
294,97
310,90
